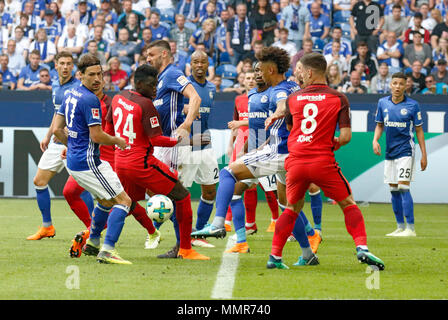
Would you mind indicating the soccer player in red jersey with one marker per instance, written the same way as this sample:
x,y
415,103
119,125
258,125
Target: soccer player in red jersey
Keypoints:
x,y
312,114
137,121
72,190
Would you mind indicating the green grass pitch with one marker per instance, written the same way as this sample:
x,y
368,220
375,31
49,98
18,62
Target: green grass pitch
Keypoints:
x,y
416,268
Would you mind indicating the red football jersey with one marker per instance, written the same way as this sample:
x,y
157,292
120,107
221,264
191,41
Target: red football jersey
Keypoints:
x,y
107,153
241,112
314,113
136,120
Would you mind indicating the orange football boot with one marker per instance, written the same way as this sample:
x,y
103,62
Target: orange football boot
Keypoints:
x,y
271,227
78,243
191,254
43,232
228,227
242,247
315,241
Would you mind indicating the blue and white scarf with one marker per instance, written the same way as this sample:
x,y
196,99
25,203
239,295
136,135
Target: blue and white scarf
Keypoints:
x,y
236,33
191,13
43,52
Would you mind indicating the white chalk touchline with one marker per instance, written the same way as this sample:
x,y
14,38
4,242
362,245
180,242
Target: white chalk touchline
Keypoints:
x,y
225,279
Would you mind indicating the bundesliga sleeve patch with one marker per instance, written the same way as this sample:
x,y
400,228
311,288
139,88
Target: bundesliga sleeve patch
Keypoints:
x,y
154,122
419,115
182,80
95,113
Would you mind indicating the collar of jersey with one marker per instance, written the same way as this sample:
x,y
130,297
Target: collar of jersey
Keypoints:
x,y
395,104
201,84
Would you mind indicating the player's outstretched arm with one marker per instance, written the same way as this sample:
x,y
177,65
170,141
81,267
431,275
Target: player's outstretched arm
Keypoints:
x,y
59,128
376,137
279,113
421,142
99,136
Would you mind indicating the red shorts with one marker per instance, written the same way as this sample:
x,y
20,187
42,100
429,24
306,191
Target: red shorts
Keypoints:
x,y
156,176
326,175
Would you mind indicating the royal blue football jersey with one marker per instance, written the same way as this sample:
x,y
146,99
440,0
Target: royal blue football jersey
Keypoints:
x,y
207,92
169,101
58,91
81,109
258,110
279,133
399,122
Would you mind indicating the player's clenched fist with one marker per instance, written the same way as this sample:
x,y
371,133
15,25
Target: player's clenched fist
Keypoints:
x,y
121,143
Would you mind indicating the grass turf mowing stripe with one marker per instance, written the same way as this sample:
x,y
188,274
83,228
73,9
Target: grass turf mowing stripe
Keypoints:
x,y
225,279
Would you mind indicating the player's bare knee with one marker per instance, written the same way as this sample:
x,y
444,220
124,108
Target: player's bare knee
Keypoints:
x,y
349,201
209,195
313,189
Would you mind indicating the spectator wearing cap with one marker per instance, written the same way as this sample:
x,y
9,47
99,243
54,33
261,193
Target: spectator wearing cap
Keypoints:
x,y
295,18
159,32
284,43
441,51
189,9
408,35
110,16
380,83
441,75
180,33
418,79
71,42
440,31
85,16
9,79
417,51
127,9
394,22
241,35
345,48
51,27
391,52
360,31
319,27
46,48
125,51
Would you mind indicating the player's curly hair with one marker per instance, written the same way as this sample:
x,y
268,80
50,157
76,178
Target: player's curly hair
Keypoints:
x,y
278,56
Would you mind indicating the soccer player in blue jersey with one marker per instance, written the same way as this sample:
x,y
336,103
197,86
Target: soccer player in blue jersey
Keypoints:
x,y
267,160
203,166
51,162
398,116
80,112
172,88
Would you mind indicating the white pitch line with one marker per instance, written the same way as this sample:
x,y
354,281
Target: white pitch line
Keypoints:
x,y
225,278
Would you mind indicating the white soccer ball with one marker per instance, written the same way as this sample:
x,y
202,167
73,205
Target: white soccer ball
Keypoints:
x,y
159,208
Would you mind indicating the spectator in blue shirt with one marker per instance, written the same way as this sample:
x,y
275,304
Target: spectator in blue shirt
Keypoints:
x,y
346,46
296,19
179,57
29,76
111,16
57,14
8,77
219,5
53,29
204,35
391,52
159,32
319,23
38,7
190,9
85,16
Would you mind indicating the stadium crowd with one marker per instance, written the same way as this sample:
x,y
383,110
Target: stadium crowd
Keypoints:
x,y
395,35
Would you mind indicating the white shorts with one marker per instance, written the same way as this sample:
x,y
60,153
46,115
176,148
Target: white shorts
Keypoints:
x,y
401,169
201,167
51,159
269,183
102,183
265,162
175,157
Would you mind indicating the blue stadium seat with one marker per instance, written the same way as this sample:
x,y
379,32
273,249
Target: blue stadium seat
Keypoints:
x,y
167,15
227,71
226,83
341,16
224,58
409,70
318,45
166,25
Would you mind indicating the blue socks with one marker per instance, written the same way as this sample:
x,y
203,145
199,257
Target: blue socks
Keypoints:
x,y
397,207
175,223
223,196
308,228
115,224
44,203
316,209
88,200
99,218
205,209
238,211
299,234
408,207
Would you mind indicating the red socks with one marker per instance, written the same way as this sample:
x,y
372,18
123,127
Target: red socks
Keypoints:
x,y
283,229
272,203
354,222
140,215
250,203
184,216
72,193
229,214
